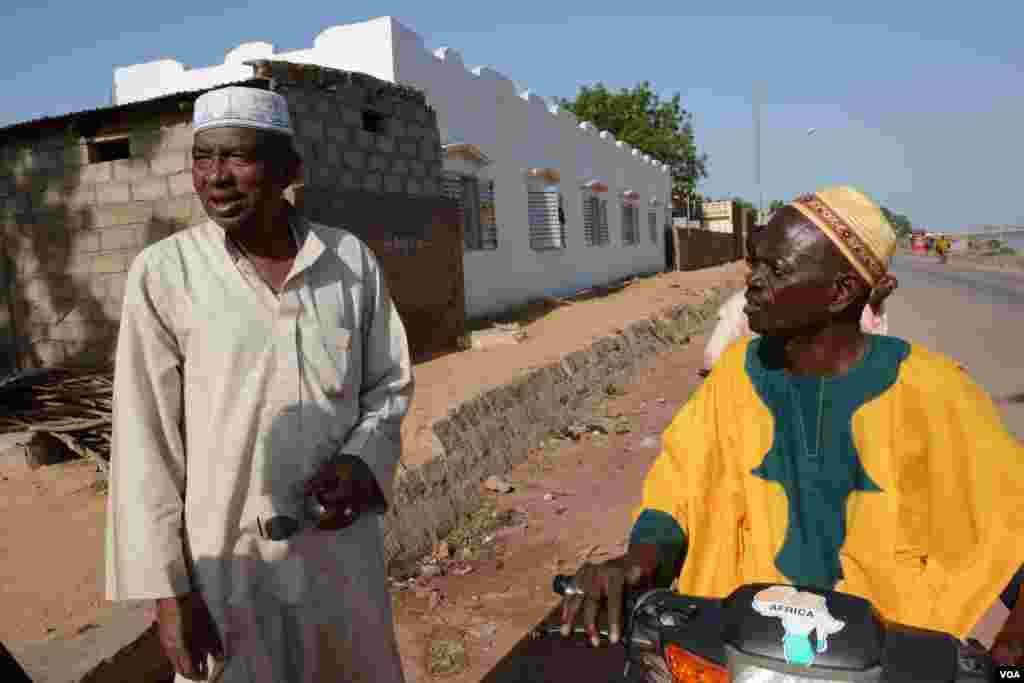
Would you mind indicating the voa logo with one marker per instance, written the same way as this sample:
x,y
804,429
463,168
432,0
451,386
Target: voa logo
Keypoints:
x,y
1009,674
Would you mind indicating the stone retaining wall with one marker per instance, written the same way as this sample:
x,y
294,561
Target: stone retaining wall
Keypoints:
x,y
492,432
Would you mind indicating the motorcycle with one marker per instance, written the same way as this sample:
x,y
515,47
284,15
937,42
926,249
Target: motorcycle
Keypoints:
x,y
762,633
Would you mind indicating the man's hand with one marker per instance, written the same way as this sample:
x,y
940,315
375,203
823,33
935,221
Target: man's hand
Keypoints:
x,y
188,634
347,488
608,582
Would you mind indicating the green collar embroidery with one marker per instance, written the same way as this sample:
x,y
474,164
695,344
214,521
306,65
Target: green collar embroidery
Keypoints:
x,y
817,489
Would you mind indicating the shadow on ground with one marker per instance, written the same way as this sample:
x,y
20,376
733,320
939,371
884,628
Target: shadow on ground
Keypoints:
x,y
553,658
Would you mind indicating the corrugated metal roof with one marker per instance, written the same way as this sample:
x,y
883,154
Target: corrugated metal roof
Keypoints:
x,y
155,103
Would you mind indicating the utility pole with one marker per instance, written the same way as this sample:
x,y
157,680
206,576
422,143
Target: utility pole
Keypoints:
x,y
757,98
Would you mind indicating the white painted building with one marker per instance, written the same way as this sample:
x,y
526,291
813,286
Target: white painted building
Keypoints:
x,y
518,165
719,216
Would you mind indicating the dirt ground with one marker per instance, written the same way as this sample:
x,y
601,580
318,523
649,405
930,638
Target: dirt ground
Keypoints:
x,y
576,500
51,533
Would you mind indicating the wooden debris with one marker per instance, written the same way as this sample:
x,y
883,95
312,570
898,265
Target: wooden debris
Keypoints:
x,y
44,449
73,407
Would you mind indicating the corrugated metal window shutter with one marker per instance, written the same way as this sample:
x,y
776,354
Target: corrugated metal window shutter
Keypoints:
x,y
652,224
545,228
591,219
604,236
562,218
488,219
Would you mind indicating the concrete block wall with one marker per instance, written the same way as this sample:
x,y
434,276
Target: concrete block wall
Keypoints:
x,y
71,229
328,106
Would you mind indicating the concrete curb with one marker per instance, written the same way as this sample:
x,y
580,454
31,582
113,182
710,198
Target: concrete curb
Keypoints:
x,y
479,437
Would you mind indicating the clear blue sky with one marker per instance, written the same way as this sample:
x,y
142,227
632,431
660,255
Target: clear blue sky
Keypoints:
x,y
920,104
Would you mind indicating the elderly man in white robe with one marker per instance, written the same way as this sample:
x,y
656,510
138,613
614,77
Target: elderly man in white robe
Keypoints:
x,y
262,374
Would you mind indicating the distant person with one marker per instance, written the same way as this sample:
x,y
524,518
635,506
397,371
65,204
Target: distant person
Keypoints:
x,y
942,247
261,379
733,323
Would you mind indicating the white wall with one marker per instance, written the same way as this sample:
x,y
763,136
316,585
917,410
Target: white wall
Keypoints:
x,y
517,131
514,128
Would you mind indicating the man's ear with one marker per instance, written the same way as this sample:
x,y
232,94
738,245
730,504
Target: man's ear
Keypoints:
x,y
846,290
291,174
297,171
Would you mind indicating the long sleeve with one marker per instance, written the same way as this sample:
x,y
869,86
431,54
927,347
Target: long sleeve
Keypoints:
x,y
387,384
145,557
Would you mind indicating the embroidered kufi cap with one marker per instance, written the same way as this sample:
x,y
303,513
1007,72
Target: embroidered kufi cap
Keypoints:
x,y
238,106
855,224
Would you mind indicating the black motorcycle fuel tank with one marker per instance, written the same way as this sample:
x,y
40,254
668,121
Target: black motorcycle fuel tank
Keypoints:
x,y
838,631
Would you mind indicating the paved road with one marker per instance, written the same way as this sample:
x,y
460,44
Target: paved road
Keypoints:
x,y
976,317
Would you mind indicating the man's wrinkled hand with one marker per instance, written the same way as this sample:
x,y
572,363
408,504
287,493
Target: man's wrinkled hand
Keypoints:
x,y
607,583
188,635
347,489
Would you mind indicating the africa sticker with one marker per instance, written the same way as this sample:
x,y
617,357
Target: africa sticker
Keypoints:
x,y
800,613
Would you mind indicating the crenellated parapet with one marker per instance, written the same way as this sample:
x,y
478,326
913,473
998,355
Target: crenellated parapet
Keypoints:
x,y
383,48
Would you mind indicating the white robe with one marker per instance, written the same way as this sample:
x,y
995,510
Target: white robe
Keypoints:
x,y
226,397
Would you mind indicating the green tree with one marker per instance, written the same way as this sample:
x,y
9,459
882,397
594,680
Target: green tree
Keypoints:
x,y
640,118
776,204
900,223
743,203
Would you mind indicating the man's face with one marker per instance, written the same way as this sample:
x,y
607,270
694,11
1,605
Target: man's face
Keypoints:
x,y
237,175
792,283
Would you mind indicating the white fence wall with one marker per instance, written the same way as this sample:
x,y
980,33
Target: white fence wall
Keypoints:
x,y
516,129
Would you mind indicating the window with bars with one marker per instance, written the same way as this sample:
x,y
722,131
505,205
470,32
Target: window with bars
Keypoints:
x,y
630,227
475,201
595,221
547,231
488,217
652,225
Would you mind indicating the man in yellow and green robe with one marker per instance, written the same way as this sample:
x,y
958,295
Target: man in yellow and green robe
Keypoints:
x,y
819,456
